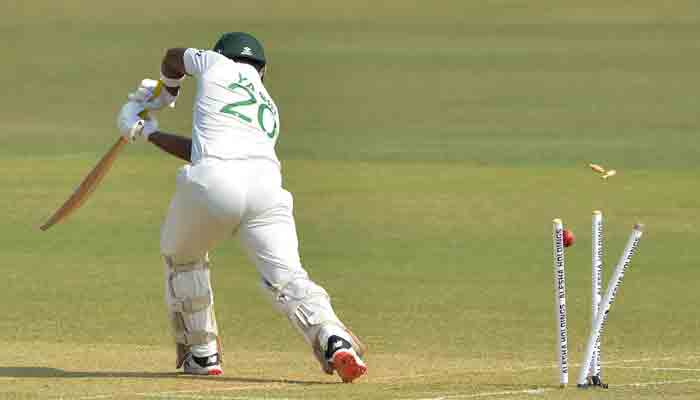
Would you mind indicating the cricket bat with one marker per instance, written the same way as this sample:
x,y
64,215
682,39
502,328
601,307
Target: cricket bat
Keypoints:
x,y
87,186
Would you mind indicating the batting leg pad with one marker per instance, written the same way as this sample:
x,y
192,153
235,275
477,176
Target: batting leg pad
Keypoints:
x,y
308,308
306,305
190,302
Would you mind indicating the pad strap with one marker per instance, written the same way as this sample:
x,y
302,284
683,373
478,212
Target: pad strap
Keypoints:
x,y
199,337
185,267
192,304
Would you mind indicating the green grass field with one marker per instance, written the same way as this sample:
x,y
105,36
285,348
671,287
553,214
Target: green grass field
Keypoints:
x,y
428,146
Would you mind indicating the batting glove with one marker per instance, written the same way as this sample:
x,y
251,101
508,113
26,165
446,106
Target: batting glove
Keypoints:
x,y
134,120
153,95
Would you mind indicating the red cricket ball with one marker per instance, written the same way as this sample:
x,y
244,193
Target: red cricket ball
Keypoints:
x,y
569,238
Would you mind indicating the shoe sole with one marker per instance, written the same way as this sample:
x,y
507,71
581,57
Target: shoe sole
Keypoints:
x,y
347,366
202,372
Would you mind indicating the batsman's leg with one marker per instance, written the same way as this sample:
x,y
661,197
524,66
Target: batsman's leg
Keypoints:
x,y
271,240
190,229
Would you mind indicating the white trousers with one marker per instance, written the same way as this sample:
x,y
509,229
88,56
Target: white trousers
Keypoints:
x,y
213,200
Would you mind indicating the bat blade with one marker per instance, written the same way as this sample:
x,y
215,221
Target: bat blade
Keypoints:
x,y
87,186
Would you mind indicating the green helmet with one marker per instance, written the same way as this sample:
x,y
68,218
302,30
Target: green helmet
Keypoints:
x,y
236,45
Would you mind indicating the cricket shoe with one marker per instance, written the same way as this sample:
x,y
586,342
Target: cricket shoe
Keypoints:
x,y
344,360
210,365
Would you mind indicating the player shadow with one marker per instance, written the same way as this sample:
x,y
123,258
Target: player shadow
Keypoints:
x,y
45,372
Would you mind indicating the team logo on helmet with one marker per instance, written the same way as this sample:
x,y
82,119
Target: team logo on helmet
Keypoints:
x,y
247,51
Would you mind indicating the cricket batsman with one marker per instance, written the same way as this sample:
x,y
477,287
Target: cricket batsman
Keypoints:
x,y
232,183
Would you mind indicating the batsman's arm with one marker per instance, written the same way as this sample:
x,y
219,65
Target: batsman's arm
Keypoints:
x,y
179,146
172,72
173,69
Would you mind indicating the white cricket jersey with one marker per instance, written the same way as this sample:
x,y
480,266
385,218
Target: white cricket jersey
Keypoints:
x,y
233,117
